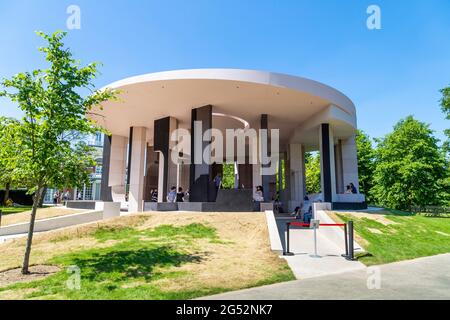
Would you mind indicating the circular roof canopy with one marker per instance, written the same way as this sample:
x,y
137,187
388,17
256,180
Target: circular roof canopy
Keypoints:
x,y
236,96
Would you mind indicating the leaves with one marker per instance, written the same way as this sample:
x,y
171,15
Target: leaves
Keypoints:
x,y
366,163
45,148
410,169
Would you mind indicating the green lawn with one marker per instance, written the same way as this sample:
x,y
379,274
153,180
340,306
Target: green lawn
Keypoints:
x,y
409,236
162,262
11,210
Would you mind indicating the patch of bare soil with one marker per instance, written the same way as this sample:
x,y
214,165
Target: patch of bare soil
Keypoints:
x,y
379,217
38,272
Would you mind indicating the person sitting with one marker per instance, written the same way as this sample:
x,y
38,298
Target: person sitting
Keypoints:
x,y
348,189
154,195
307,216
259,194
353,188
297,213
172,196
180,195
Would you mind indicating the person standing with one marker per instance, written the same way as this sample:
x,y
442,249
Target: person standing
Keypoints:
x,y
172,196
56,198
218,181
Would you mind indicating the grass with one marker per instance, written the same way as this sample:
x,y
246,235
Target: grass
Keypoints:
x,y
153,256
390,236
14,217
12,210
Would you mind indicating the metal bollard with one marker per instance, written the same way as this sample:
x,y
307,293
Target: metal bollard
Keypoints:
x,y
346,241
351,250
286,241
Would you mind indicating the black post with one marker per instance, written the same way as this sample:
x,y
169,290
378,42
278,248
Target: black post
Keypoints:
x,y
0,218
286,241
346,240
351,251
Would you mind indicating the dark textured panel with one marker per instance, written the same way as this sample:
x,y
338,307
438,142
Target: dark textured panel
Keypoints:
x,y
349,205
265,178
200,183
105,190
90,205
161,136
130,149
325,127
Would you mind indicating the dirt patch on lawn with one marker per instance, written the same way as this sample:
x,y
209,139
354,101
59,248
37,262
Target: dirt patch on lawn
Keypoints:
x,y
360,240
381,218
14,276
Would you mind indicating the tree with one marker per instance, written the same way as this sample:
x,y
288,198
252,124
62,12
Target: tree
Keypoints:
x,y
409,167
8,150
366,163
445,106
312,173
54,117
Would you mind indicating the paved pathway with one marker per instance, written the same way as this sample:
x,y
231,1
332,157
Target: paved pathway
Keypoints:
x,y
330,247
423,278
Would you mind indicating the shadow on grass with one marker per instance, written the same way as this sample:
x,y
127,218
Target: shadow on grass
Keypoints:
x,y
125,264
362,255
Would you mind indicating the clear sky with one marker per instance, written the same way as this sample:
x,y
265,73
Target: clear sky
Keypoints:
x,y
388,73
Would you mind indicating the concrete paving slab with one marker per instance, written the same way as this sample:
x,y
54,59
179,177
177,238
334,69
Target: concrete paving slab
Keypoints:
x,y
419,279
330,248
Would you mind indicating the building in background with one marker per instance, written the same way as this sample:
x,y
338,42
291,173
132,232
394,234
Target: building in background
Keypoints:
x,y
90,191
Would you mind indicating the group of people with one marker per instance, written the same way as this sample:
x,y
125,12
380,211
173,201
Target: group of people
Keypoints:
x,y
60,197
303,213
172,196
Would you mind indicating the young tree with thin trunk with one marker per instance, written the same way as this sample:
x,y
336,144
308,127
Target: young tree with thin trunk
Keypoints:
x,y
54,118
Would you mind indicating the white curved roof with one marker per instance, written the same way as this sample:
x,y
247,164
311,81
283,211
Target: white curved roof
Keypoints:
x,y
288,100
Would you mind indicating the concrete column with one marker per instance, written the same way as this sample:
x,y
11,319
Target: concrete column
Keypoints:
x,y
118,161
350,162
137,169
297,171
327,164
105,189
257,181
338,168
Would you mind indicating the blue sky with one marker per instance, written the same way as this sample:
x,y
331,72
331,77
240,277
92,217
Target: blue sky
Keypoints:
x,y
388,73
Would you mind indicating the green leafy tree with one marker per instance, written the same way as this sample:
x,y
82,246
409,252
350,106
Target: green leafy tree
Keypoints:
x,y
312,173
228,176
366,163
8,150
54,118
445,106
409,168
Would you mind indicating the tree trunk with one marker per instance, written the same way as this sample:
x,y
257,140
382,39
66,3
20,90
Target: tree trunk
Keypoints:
x,y
41,203
36,201
7,188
